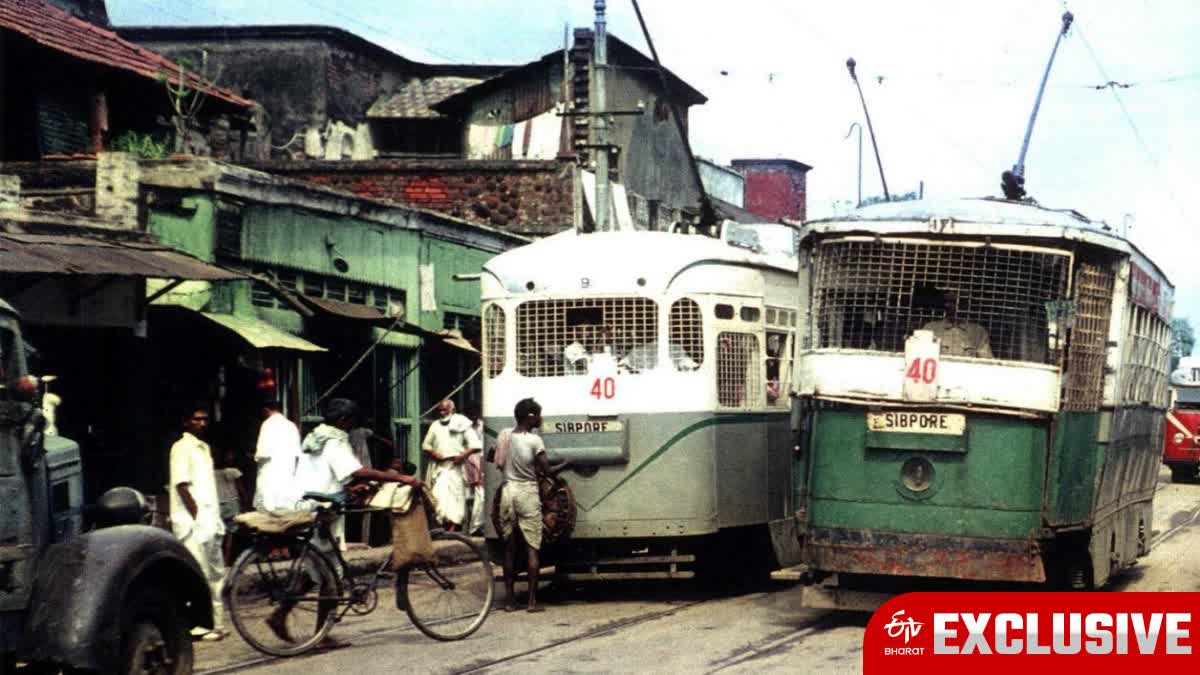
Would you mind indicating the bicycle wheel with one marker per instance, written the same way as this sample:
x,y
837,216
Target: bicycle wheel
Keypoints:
x,y
449,599
283,604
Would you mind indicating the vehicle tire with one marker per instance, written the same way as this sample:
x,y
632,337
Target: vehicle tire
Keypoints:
x,y
263,580
449,599
1182,474
154,635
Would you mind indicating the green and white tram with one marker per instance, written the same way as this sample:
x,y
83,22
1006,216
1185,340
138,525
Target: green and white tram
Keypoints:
x,y
978,393
662,362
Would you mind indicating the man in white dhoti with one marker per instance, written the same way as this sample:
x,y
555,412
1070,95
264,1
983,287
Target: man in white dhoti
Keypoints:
x,y
277,453
450,440
196,511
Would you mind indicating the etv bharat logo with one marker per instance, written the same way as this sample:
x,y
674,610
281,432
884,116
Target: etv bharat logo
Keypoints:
x,y
909,628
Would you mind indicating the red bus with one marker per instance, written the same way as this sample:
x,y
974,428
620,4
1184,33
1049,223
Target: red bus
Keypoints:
x,y
1181,445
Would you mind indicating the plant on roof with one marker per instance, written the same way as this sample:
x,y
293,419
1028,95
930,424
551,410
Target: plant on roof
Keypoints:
x,y
142,146
186,101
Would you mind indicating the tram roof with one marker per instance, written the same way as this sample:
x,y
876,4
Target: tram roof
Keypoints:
x,y
557,262
979,216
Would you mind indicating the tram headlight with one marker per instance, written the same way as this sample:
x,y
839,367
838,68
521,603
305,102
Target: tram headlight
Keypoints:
x,y
916,474
1177,438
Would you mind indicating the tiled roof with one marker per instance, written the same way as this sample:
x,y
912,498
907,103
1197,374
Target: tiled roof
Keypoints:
x,y
416,98
54,28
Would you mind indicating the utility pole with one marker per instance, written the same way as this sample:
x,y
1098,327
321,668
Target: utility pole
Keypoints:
x,y
853,126
599,99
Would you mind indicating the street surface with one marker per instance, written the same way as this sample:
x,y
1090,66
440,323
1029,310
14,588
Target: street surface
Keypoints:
x,y
666,627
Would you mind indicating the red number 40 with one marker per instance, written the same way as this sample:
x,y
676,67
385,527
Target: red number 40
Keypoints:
x,y
922,370
604,388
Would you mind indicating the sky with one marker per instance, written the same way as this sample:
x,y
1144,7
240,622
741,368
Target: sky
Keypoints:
x,y
950,85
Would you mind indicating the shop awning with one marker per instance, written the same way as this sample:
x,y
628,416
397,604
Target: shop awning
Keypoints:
x,y
261,334
102,256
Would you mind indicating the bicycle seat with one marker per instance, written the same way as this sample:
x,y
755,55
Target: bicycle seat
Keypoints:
x,y
335,498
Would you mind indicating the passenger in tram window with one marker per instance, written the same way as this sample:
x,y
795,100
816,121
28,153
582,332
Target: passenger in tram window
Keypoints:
x,y
774,351
641,357
959,337
576,353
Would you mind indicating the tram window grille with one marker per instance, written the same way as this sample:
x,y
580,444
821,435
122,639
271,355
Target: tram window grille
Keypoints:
x,y
356,294
314,286
379,299
739,371
1147,359
1083,382
546,328
686,337
261,295
493,340
872,294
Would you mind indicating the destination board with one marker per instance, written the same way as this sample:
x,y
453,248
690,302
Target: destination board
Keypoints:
x,y
585,427
911,422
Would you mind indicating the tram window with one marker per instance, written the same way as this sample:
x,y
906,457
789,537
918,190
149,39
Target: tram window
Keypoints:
x,y
771,315
723,311
494,342
778,367
568,337
686,340
751,314
873,293
739,378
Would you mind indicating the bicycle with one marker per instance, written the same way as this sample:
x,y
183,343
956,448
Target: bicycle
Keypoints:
x,y
289,588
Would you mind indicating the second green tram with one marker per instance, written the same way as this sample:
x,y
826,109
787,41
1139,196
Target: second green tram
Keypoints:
x,y
978,395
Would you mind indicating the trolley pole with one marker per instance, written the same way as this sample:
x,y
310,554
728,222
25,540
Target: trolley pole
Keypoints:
x,y
599,98
850,63
1013,182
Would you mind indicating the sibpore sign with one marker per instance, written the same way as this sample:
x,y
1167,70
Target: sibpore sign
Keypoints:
x,y
996,632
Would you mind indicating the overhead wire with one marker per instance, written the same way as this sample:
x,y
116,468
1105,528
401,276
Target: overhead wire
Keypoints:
x,y
1137,132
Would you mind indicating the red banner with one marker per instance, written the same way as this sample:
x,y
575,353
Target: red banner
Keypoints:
x,y
976,633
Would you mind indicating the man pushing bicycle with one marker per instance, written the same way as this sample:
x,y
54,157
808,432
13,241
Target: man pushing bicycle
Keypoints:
x,y
327,465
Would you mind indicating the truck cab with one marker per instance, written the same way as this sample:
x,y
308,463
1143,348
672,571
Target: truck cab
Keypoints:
x,y
118,599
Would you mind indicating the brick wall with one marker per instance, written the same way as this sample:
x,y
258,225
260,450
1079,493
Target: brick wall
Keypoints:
x,y
526,197
775,188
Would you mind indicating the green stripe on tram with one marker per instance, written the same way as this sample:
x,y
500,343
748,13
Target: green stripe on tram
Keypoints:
x,y
737,418
680,435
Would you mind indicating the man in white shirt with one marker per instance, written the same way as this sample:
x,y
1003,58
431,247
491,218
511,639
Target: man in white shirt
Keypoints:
x,y
196,511
277,453
327,464
449,441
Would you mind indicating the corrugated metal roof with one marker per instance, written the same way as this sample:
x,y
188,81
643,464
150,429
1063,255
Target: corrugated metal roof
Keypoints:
x,y
417,98
346,310
86,255
261,334
54,28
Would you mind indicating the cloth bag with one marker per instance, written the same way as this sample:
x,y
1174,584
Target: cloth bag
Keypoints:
x,y
411,541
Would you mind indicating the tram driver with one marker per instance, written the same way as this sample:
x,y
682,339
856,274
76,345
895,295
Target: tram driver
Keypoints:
x,y
958,336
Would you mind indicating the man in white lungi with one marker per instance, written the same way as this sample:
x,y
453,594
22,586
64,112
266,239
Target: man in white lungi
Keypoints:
x,y
196,511
276,454
450,440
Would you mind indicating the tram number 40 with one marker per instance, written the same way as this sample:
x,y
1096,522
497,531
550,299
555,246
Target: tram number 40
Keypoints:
x,y
604,387
922,370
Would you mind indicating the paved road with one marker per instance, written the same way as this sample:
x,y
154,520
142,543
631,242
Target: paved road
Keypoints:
x,y
669,627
